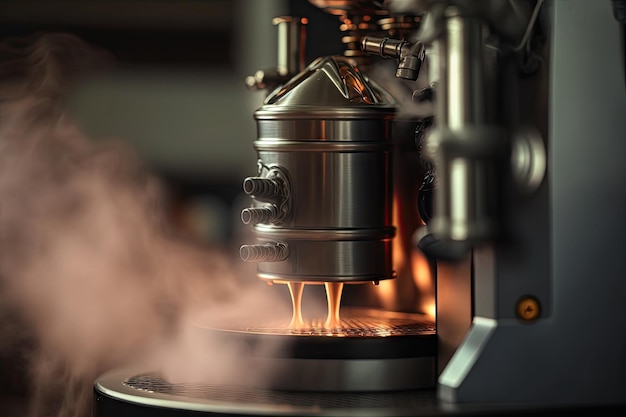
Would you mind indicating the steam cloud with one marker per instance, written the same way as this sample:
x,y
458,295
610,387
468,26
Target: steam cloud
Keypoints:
x,y
91,276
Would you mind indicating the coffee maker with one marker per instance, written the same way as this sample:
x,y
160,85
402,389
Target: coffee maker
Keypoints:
x,y
513,201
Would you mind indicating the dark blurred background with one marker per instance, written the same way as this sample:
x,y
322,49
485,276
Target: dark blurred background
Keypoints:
x,y
177,97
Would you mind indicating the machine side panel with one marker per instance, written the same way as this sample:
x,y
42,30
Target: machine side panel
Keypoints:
x,y
576,354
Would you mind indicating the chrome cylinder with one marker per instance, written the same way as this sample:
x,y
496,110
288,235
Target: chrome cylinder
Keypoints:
x,y
463,147
328,132
291,40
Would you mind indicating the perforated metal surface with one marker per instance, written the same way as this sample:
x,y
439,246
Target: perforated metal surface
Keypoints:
x,y
155,384
355,322
352,328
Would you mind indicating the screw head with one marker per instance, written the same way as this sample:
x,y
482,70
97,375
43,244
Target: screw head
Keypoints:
x,y
528,308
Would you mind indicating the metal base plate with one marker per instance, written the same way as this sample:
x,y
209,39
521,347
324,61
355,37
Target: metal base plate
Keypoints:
x,y
374,350
127,392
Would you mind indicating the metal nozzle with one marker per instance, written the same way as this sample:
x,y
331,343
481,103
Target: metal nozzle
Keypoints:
x,y
267,252
256,215
385,47
409,55
263,187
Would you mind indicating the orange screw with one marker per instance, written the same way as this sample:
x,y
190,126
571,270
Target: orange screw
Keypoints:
x,y
528,308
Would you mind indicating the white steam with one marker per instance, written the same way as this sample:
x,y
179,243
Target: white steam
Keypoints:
x,y
91,276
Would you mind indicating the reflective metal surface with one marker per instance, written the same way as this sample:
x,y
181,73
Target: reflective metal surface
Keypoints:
x,y
371,350
328,130
140,390
462,210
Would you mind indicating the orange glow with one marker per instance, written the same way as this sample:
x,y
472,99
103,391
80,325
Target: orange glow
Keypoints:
x,y
386,292
422,276
413,287
399,258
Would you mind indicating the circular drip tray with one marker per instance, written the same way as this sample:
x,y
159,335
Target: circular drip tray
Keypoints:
x,y
373,350
355,322
364,334
377,363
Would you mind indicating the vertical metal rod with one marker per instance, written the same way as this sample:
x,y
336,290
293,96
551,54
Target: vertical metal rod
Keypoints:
x,y
460,202
460,106
291,38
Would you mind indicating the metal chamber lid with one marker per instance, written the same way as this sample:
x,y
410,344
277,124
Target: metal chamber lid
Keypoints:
x,y
330,87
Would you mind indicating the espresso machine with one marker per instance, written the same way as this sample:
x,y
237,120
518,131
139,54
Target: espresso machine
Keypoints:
x,y
463,159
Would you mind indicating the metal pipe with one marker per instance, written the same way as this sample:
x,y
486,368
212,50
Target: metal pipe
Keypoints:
x,y
256,215
267,252
461,208
291,39
409,55
262,187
